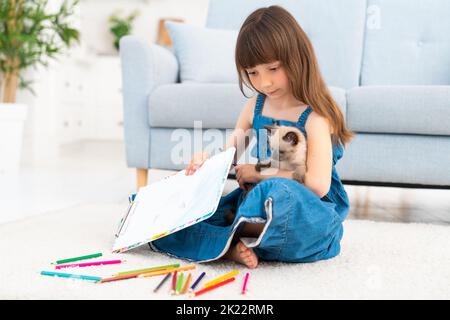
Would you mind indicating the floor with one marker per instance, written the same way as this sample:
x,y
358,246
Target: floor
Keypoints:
x,y
95,171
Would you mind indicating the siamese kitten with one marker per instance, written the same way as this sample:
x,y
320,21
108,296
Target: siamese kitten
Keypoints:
x,y
288,147
288,152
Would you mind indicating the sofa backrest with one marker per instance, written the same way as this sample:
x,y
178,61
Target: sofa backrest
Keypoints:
x,y
335,28
407,42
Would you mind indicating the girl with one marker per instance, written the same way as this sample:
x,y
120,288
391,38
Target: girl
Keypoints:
x,y
279,219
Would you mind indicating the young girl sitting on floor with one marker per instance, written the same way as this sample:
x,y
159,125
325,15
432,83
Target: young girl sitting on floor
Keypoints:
x,y
280,219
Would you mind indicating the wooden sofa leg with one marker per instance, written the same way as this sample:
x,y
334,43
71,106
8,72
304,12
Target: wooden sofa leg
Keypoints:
x,y
142,175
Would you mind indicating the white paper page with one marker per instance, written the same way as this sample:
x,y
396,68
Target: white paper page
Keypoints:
x,y
175,201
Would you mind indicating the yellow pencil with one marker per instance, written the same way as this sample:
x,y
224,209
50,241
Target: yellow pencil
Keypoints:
x,y
158,273
219,279
186,285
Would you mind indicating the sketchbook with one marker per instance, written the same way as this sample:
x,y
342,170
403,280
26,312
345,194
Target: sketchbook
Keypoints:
x,y
174,203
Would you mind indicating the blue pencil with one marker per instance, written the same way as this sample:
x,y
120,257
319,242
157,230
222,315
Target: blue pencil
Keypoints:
x,y
69,275
197,281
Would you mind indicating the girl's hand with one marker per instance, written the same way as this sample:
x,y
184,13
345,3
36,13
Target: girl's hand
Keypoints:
x,y
196,162
246,173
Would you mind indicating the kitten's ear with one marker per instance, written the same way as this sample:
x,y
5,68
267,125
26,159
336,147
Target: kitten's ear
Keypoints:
x,y
270,129
291,137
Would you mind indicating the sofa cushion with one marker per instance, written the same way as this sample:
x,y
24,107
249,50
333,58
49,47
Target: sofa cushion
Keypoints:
x,y
204,55
335,28
406,43
397,158
216,105
179,105
399,109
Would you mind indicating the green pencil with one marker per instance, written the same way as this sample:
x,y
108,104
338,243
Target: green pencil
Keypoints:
x,y
180,282
90,256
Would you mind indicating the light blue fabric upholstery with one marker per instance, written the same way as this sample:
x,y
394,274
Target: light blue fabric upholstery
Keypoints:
x,y
144,68
335,28
400,114
399,109
396,158
407,43
205,55
195,101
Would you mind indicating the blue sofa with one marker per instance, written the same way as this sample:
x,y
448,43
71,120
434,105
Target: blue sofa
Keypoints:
x,y
386,62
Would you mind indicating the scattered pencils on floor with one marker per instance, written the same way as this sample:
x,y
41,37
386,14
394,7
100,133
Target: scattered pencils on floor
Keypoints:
x,y
181,282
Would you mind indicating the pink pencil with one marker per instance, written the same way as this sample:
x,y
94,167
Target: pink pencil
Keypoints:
x,y
244,287
88,264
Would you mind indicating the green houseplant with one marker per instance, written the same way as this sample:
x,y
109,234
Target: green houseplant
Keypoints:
x,y
30,35
120,27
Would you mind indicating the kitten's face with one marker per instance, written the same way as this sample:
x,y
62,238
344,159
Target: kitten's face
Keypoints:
x,y
285,141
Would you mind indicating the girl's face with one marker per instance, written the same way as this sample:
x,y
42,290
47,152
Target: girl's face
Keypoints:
x,y
270,79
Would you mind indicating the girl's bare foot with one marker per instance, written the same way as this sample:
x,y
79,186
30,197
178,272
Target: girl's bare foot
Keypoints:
x,y
241,254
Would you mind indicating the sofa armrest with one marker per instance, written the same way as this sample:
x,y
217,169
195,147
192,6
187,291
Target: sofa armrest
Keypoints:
x,y
144,68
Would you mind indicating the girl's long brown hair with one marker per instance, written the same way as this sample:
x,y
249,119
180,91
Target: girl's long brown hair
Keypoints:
x,y
271,34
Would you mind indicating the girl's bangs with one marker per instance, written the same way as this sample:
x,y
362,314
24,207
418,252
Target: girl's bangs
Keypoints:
x,y
254,48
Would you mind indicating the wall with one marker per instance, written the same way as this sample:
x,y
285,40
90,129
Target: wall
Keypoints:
x,y
94,16
47,111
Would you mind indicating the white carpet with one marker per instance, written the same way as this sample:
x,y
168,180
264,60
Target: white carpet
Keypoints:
x,y
377,261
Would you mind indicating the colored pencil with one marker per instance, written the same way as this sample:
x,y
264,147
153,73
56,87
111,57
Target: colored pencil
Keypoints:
x,y
147,274
158,273
122,277
149,269
135,274
197,281
186,285
69,275
244,286
88,264
90,256
179,283
174,282
219,279
214,286
162,282
117,278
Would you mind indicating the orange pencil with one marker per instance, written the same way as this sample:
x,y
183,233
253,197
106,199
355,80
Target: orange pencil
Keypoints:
x,y
186,285
158,273
117,278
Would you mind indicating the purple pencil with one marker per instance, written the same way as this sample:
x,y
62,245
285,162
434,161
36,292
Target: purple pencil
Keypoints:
x,y
191,289
88,264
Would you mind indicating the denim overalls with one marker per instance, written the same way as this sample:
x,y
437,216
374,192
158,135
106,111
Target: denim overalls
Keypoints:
x,y
298,225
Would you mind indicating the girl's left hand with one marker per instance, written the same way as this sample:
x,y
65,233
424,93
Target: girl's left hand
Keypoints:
x,y
246,173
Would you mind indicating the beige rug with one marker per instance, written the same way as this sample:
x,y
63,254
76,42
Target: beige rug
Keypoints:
x,y
377,261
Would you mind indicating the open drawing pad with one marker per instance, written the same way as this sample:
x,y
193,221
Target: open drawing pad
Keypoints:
x,y
174,203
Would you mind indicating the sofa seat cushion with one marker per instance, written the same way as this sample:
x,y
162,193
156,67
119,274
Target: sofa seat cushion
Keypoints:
x,y
179,105
399,109
216,105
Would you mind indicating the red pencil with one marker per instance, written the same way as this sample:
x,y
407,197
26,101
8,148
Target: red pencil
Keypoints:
x,y
174,283
219,284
